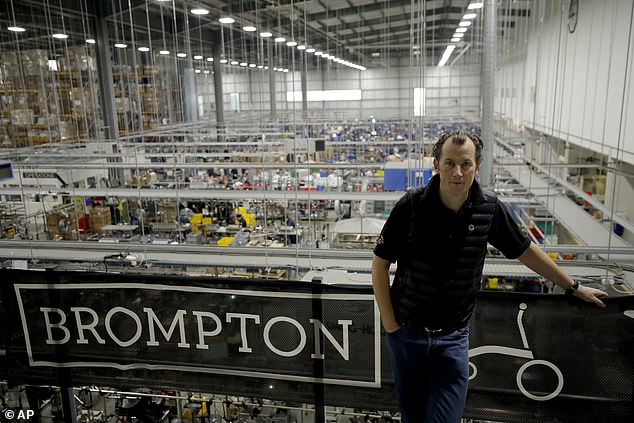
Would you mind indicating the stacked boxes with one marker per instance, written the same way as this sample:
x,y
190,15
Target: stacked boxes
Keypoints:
x,y
62,224
98,218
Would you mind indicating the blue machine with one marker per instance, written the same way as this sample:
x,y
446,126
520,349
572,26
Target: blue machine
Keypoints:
x,y
396,175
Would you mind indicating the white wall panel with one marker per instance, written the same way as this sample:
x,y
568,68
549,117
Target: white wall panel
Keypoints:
x,y
579,78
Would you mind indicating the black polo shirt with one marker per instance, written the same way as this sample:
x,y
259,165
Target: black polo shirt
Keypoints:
x,y
442,227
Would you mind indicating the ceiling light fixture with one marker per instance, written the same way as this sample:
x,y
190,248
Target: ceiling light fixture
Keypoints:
x,y
445,56
458,35
291,43
461,29
301,47
234,62
265,34
252,65
60,36
197,70
91,41
465,23
16,29
144,49
223,60
249,28
280,39
470,16
181,54
319,53
210,59
200,11
325,55
226,20
121,45
310,50
456,39
243,64
475,5
164,52
198,57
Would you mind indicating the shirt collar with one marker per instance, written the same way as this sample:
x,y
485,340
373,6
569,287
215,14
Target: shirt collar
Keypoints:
x,y
476,196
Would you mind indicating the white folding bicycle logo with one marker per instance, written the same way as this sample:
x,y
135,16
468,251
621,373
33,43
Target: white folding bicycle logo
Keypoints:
x,y
516,352
525,353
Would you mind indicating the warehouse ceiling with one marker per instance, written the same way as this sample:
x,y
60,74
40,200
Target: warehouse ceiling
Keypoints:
x,y
365,32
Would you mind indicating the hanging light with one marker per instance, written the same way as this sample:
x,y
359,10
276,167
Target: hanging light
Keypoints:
x,y
468,16
144,49
475,5
450,48
198,57
60,36
210,59
291,43
181,54
121,45
164,52
266,34
310,50
226,20
464,23
249,28
301,47
280,39
16,29
90,41
200,11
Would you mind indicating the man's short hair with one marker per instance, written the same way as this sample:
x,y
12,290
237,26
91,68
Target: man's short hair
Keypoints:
x,y
459,138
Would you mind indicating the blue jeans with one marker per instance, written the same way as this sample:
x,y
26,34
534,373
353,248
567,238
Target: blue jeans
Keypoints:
x,y
431,374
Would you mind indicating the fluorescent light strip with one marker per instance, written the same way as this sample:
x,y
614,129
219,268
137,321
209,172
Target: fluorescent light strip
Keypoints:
x,y
450,48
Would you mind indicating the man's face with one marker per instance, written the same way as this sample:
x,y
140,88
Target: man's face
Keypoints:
x,y
457,168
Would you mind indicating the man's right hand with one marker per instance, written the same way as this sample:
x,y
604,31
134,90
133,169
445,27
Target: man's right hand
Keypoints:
x,y
392,327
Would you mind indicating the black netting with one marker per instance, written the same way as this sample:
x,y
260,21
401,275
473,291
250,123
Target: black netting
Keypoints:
x,y
566,361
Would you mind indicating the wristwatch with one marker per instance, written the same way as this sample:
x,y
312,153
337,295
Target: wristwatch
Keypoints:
x,y
573,288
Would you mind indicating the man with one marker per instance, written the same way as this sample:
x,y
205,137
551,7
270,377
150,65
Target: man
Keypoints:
x,y
438,236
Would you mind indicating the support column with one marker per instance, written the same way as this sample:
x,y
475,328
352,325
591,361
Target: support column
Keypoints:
x,y
190,94
218,94
271,82
106,89
486,92
302,68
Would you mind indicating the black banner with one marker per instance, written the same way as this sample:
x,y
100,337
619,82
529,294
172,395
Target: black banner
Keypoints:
x,y
533,357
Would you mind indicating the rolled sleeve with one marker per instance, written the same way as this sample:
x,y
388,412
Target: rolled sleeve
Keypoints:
x,y
393,236
505,234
